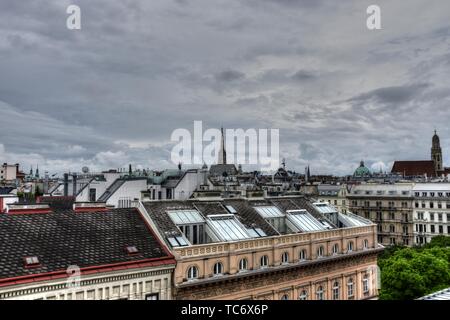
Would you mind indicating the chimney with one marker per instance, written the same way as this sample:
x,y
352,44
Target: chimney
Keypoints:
x,y
66,184
74,181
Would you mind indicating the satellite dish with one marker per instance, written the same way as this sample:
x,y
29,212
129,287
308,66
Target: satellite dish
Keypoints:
x,y
85,170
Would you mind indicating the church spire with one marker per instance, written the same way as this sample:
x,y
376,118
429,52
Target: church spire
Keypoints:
x,y
222,152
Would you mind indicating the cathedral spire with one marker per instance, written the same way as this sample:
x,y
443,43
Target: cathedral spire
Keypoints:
x,y
222,152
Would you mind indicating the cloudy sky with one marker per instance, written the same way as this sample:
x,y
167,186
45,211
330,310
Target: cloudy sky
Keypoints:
x,y
113,92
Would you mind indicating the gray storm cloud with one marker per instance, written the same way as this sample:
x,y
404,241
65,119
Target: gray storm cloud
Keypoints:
x,y
113,92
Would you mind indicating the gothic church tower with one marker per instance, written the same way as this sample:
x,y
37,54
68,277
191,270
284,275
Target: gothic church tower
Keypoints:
x,y
436,153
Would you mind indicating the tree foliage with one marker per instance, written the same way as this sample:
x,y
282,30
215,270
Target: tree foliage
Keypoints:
x,y
409,273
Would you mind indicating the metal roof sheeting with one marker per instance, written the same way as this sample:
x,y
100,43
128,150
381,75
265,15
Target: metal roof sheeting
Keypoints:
x,y
185,216
440,295
323,207
351,221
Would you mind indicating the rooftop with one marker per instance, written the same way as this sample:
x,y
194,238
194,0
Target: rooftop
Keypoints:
x,y
64,237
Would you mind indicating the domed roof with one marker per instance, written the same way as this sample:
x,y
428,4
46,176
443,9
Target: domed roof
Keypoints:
x,y
362,171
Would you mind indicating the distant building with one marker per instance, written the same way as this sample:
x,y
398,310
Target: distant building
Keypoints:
x,y
10,173
428,168
390,206
335,195
431,211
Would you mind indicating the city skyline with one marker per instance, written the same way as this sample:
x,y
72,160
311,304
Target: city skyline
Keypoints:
x,y
111,93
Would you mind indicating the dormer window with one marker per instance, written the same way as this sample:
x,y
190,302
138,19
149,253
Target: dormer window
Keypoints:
x,y
31,262
131,250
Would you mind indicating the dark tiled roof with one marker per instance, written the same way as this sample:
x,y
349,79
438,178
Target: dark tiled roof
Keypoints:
x,y
64,238
414,168
219,169
60,202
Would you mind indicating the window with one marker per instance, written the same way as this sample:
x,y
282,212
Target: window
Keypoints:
x,y
303,295
391,215
152,296
432,228
284,297
218,269
243,265
366,244
336,290
31,261
131,250
319,293
431,205
264,262
366,284
350,246
350,288
92,195
335,248
192,273
302,256
392,228
320,252
431,216
439,216
285,258
441,229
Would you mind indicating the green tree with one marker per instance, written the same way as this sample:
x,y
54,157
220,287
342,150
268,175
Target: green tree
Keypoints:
x,y
410,273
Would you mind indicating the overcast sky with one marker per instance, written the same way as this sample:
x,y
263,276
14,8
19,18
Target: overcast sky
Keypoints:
x,y
112,93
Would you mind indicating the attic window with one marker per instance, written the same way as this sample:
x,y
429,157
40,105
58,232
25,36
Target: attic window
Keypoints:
x,y
31,261
131,250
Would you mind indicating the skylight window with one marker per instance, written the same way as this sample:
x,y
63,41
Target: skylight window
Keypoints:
x,y
269,212
227,227
177,241
31,261
182,217
304,221
131,250
231,209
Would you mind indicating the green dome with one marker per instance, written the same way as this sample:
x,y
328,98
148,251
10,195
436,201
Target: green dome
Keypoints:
x,y
362,171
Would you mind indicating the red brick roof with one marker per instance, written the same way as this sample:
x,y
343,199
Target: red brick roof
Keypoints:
x,y
414,168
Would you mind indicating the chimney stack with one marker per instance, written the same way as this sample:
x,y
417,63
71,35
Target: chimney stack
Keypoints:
x,y
66,184
74,181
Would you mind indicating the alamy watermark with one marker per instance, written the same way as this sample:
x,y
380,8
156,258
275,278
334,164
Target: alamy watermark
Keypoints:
x,y
373,21
256,147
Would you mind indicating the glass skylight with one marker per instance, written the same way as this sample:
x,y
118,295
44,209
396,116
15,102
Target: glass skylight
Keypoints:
x,y
269,212
181,217
304,221
227,227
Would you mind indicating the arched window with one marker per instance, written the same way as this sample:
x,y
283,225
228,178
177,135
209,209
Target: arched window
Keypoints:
x,y
218,269
302,255
335,248
284,297
336,290
285,258
350,288
319,293
320,252
350,246
243,265
366,244
264,262
303,295
192,273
